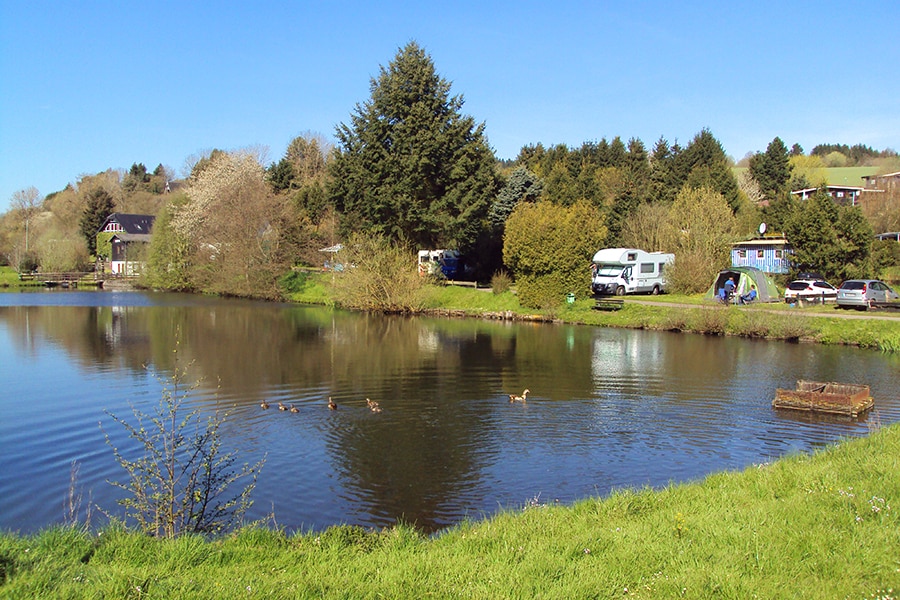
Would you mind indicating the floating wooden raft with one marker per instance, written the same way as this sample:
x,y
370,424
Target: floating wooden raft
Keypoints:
x,y
835,398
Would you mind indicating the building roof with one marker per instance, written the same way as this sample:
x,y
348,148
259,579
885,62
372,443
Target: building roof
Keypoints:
x,y
762,242
134,224
830,188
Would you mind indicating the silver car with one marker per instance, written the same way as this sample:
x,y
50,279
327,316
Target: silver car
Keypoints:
x,y
862,293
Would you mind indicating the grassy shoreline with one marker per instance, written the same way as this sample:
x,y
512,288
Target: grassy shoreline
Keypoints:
x,y
825,525
689,314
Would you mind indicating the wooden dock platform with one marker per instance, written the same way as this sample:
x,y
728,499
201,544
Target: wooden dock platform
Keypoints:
x,y
846,399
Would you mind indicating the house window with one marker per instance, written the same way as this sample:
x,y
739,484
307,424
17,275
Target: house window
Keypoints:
x,y
760,254
779,254
742,254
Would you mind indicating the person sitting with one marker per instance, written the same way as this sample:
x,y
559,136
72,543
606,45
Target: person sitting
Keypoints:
x,y
749,296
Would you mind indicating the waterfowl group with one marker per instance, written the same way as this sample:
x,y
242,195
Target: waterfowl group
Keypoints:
x,y
514,398
374,406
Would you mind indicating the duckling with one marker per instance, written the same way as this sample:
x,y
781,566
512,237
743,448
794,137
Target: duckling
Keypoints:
x,y
281,406
331,404
264,404
294,409
514,398
373,406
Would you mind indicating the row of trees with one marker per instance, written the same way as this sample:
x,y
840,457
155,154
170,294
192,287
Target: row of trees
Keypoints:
x,y
410,169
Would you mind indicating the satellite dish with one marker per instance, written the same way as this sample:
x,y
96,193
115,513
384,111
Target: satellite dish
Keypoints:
x,y
762,228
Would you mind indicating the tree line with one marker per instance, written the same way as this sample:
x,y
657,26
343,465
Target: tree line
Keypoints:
x,y
411,169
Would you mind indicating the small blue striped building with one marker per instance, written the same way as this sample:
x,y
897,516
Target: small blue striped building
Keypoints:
x,y
768,254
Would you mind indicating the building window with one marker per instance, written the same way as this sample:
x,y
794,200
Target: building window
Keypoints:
x,y
760,254
742,254
779,254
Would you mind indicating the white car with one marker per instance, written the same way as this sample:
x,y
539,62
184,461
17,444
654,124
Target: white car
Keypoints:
x,y
810,290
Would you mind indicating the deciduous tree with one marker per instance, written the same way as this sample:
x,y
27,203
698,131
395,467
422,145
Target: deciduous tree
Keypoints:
x,y
27,204
702,227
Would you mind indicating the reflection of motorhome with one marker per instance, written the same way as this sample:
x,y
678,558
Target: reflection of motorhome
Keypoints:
x,y
439,262
620,271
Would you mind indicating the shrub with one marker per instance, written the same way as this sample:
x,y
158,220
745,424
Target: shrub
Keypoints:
x,y
501,282
548,248
378,275
181,482
711,321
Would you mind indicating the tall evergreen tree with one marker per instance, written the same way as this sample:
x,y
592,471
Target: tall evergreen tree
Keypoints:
x,y
772,170
663,184
100,205
703,163
409,165
523,186
830,239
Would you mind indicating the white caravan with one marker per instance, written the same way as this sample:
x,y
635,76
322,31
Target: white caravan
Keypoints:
x,y
620,271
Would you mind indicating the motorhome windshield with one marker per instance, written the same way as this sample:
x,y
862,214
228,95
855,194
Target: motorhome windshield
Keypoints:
x,y
609,270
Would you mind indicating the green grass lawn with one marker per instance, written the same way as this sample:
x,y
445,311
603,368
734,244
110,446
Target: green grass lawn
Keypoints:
x,y
8,277
825,525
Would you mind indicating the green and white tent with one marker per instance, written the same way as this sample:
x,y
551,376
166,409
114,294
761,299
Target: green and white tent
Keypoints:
x,y
744,277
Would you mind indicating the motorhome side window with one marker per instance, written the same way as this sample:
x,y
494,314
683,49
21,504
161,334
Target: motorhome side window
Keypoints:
x,y
661,266
632,256
647,268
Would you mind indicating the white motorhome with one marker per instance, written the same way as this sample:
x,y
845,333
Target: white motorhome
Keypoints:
x,y
620,271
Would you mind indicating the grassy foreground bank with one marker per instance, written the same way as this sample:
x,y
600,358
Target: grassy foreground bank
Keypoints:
x,y
825,525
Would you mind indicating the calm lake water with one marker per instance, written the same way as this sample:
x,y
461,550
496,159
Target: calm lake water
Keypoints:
x,y
608,408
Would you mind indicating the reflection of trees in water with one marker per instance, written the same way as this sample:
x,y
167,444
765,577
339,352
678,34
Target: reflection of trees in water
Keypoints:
x,y
93,336
442,383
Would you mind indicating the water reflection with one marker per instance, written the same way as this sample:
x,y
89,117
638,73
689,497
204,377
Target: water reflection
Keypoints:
x,y
608,408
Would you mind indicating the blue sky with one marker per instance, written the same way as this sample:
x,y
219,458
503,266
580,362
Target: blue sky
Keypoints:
x,y
86,86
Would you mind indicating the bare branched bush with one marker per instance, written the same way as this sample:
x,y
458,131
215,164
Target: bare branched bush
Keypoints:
x,y
74,505
378,275
501,281
182,479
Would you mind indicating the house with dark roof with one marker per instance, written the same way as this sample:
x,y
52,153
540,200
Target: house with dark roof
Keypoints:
x,y
129,236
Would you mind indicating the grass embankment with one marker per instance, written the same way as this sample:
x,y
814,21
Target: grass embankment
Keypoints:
x,y
825,525
10,278
777,321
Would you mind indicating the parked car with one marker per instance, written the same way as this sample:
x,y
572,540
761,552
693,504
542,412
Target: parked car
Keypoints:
x,y
810,290
861,293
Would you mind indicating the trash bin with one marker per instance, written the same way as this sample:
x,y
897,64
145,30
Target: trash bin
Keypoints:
x,y
570,298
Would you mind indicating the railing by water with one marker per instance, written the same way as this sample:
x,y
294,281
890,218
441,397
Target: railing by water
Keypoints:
x,y
75,278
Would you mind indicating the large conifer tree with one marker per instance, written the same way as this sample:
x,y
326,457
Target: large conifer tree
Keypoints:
x,y
409,165
772,170
100,205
